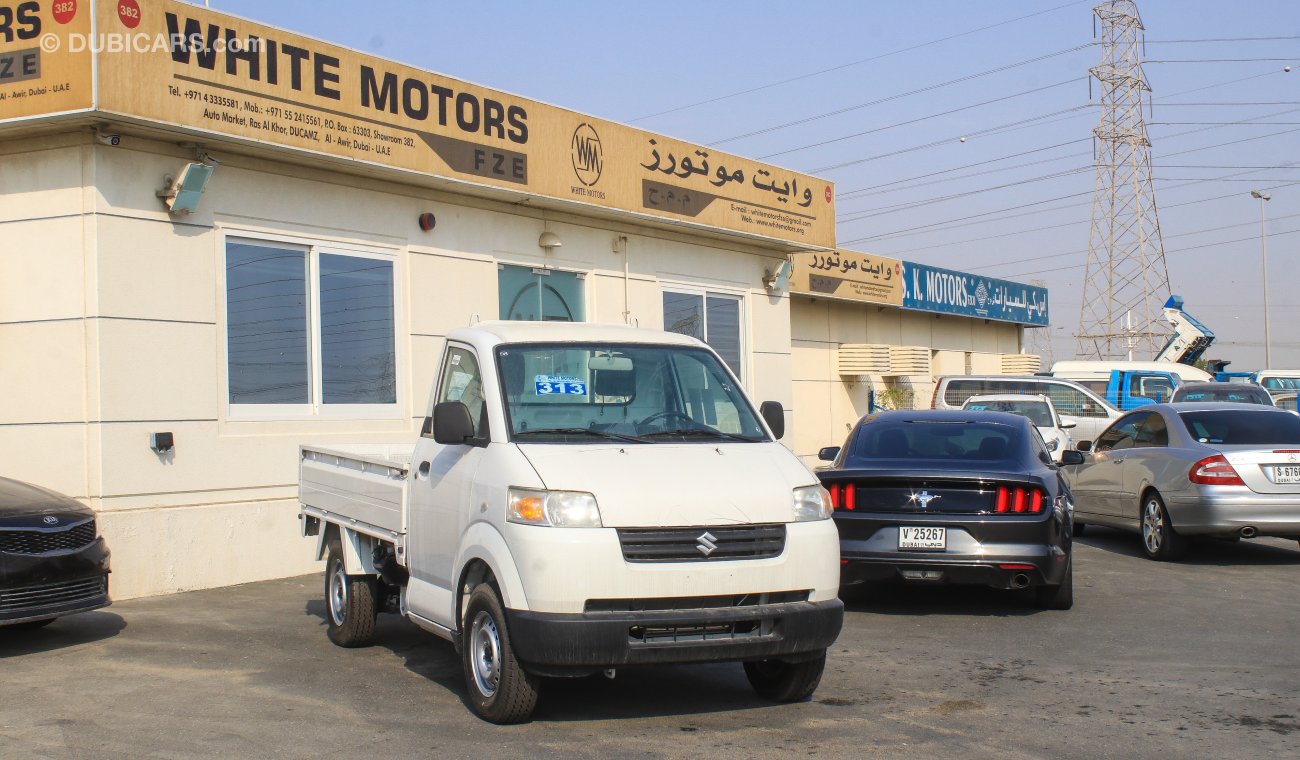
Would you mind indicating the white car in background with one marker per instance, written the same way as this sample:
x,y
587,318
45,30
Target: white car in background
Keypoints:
x,y
1038,409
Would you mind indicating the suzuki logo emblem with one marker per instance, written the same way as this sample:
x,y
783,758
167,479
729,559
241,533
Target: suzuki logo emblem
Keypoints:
x,y
925,497
706,545
51,520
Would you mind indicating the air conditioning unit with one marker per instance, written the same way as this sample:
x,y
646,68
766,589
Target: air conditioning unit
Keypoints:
x,y
863,359
1021,364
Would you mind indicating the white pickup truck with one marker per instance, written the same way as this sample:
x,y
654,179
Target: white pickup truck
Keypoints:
x,y
582,498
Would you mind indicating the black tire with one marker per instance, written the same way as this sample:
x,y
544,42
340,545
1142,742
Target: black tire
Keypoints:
x,y
786,681
1159,539
349,602
1057,597
499,689
28,626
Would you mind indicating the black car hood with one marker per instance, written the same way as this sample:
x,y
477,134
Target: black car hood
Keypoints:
x,y
20,500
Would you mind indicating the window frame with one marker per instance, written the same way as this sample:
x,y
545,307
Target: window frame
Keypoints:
x,y
314,408
583,277
742,324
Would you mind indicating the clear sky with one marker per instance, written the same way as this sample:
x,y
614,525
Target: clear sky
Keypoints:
x,y
1225,120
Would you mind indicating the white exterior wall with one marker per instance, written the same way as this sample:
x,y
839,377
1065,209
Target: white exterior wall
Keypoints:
x,y
827,405
112,327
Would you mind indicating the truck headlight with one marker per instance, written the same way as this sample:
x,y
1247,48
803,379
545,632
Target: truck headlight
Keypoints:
x,y
811,503
560,509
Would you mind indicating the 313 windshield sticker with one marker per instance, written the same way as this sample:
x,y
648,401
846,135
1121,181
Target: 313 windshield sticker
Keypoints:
x,y
565,385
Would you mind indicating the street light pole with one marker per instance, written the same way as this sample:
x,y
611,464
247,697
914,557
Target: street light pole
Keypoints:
x,y
1263,250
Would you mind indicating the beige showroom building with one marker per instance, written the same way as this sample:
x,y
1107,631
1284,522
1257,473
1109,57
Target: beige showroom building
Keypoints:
x,y
236,240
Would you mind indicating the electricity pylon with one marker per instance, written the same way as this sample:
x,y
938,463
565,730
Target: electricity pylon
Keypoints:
x,y
1127,280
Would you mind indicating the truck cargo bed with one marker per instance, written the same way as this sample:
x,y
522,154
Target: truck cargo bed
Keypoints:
x,y
362,485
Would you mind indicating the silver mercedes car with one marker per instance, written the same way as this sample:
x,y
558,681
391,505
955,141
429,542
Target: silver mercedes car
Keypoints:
x,y
1169,471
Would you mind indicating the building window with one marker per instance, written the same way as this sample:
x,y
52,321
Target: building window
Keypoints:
x,y
308,328
714,318
540,295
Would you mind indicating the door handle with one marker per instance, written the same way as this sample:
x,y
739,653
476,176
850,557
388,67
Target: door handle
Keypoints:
x,y
423,470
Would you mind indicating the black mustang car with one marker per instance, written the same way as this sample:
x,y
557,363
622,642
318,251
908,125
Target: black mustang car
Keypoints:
x,y
52,560
952,497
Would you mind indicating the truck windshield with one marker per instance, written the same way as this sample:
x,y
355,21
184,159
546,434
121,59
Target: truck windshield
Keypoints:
x,y
630,393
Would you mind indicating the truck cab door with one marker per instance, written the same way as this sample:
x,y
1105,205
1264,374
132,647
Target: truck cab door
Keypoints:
x,y
441,487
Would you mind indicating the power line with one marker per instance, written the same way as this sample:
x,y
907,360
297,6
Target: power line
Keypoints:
x,y
923,118
1167,237
858,62
862,192
1009,126
1176,250
845,194
1219,60
954,196
900,95
1219,39
943,224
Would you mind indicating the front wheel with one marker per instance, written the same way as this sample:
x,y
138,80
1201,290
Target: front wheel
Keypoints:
x,y
782,681
500,690
1159,539
349,602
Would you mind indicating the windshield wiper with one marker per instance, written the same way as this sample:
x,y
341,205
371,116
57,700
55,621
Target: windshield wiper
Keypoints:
x,y
697,432
581,431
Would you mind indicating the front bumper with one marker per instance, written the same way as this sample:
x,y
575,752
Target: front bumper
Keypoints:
x,y
44,586
1225,510
568,643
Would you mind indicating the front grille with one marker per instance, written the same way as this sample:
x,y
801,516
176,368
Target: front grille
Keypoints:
x,y
677,634
44,542
671,603
731,542
52,594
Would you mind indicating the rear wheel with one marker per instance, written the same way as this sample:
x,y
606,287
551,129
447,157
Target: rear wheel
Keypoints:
x,y
349,602
1159,539
1057,597
499,688
782,681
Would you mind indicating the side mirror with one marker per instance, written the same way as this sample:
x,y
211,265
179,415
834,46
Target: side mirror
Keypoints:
x,y
1069,422
452,424
1072,457
774,415
829,453
1084,446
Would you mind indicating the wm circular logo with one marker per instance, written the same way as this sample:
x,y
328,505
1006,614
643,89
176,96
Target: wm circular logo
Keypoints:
x,y
588,154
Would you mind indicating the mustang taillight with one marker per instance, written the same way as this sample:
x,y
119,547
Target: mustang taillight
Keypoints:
x,y
843,495
1019,500
1215,471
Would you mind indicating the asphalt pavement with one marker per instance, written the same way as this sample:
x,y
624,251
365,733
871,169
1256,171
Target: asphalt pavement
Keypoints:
x,y
1195,659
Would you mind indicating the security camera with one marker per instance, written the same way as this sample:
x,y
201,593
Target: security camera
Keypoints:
x,y
107,139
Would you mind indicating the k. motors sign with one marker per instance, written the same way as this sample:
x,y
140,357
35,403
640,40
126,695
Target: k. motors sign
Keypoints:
x,y
179,64
945,291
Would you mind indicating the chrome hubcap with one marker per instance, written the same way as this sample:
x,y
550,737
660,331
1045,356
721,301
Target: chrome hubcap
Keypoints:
x,y
338,595
485,654
1153,525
